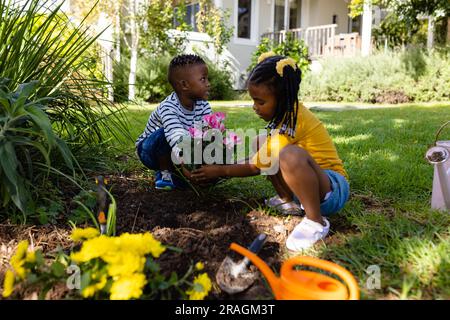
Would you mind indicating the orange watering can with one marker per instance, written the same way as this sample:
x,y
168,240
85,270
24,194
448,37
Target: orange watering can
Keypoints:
x,y
305,285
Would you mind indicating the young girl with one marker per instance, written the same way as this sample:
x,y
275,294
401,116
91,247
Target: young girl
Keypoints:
x,y
310,170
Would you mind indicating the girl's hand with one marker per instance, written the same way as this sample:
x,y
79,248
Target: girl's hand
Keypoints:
x,y
206,173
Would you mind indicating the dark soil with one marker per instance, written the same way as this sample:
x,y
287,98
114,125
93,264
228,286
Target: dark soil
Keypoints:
x,y
203,227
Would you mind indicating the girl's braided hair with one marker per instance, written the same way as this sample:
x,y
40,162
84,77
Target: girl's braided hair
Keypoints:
x,y
285,88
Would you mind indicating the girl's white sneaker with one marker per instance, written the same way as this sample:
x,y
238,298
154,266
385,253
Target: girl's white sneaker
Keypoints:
x,y
306,234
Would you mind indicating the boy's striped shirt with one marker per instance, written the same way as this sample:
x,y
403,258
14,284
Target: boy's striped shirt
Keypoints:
x,y
174,118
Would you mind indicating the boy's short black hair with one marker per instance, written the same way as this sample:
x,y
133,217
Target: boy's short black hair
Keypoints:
x,y
181,61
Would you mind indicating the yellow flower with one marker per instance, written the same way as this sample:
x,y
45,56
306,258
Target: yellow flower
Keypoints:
x,y
128,287
8,284
202,285
83,234
90,290
96,248
21,251
199,266
31,257
141,244
124,263
19,258
266,55
285,62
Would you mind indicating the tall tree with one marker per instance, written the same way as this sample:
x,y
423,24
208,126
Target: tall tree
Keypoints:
x,y
410,11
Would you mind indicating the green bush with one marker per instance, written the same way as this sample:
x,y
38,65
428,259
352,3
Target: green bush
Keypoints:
x,y
153,86
410,76
221,85
291,47
26,144
54,99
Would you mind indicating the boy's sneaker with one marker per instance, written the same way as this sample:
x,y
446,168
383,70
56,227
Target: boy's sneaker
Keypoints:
x,y
164,180
306,234
287,208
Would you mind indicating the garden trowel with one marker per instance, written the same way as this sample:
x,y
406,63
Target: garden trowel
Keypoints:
x,y
102,202
234,277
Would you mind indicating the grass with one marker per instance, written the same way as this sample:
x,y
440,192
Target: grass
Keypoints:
x,y
388,221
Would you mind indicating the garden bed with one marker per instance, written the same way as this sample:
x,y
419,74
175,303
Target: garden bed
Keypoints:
x,y
202,226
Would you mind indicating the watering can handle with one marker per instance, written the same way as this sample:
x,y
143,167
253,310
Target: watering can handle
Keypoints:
x,y
439,131
346,276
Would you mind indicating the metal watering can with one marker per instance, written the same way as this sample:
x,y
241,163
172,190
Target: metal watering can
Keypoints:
x,y
305,285
439,156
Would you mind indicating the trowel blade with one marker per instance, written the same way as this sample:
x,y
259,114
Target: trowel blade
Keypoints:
x,y
230,283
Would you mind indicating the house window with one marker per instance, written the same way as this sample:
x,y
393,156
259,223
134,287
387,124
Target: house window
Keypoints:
x,y
335,19
355,24
190,18
294,14
244,19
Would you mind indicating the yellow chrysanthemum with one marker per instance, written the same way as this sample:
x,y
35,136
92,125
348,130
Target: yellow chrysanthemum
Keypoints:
x,y
201,288
31,257
8,284
128,287
123,263
90,290
285,62
141,244
19,258
96,248
79,234
266,55
21,251
199,266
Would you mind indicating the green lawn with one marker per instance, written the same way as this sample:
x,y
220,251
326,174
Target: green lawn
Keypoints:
x,y
387,222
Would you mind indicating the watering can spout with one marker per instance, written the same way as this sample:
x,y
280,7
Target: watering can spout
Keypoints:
x,y
273,280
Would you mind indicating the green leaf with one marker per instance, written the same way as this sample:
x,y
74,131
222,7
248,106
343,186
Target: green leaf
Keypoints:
x,y
85,279
9,162
25,90
58,269
65,152
43,122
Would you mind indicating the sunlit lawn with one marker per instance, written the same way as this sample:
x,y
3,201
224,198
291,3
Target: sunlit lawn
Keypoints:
x,y
388,217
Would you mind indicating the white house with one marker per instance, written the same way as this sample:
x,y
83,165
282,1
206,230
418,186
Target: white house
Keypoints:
x,y
324,25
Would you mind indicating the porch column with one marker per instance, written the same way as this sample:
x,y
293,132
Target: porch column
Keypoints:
x,y
366,33
286,15
218,3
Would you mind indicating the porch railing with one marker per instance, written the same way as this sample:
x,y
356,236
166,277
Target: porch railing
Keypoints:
x,y
318,39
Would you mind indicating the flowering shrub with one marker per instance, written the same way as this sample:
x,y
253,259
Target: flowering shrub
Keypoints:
x,y
116,268
209,142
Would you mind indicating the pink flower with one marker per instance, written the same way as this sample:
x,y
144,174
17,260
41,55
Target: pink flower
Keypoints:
x,y
195,133
210,121
232,139
220,116
214,121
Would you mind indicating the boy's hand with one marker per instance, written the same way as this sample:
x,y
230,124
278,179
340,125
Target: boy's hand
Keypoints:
x,y
206,173
186,172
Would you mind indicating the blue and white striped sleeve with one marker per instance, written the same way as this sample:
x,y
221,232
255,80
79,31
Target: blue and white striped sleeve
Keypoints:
x,y
173,128
206,109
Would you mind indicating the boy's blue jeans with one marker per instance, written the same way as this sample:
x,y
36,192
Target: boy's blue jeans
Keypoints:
x,y
152,148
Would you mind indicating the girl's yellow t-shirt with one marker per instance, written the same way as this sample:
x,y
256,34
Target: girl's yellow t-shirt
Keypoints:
x,y
310,135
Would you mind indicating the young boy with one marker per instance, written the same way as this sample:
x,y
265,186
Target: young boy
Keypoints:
x,y
188,76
